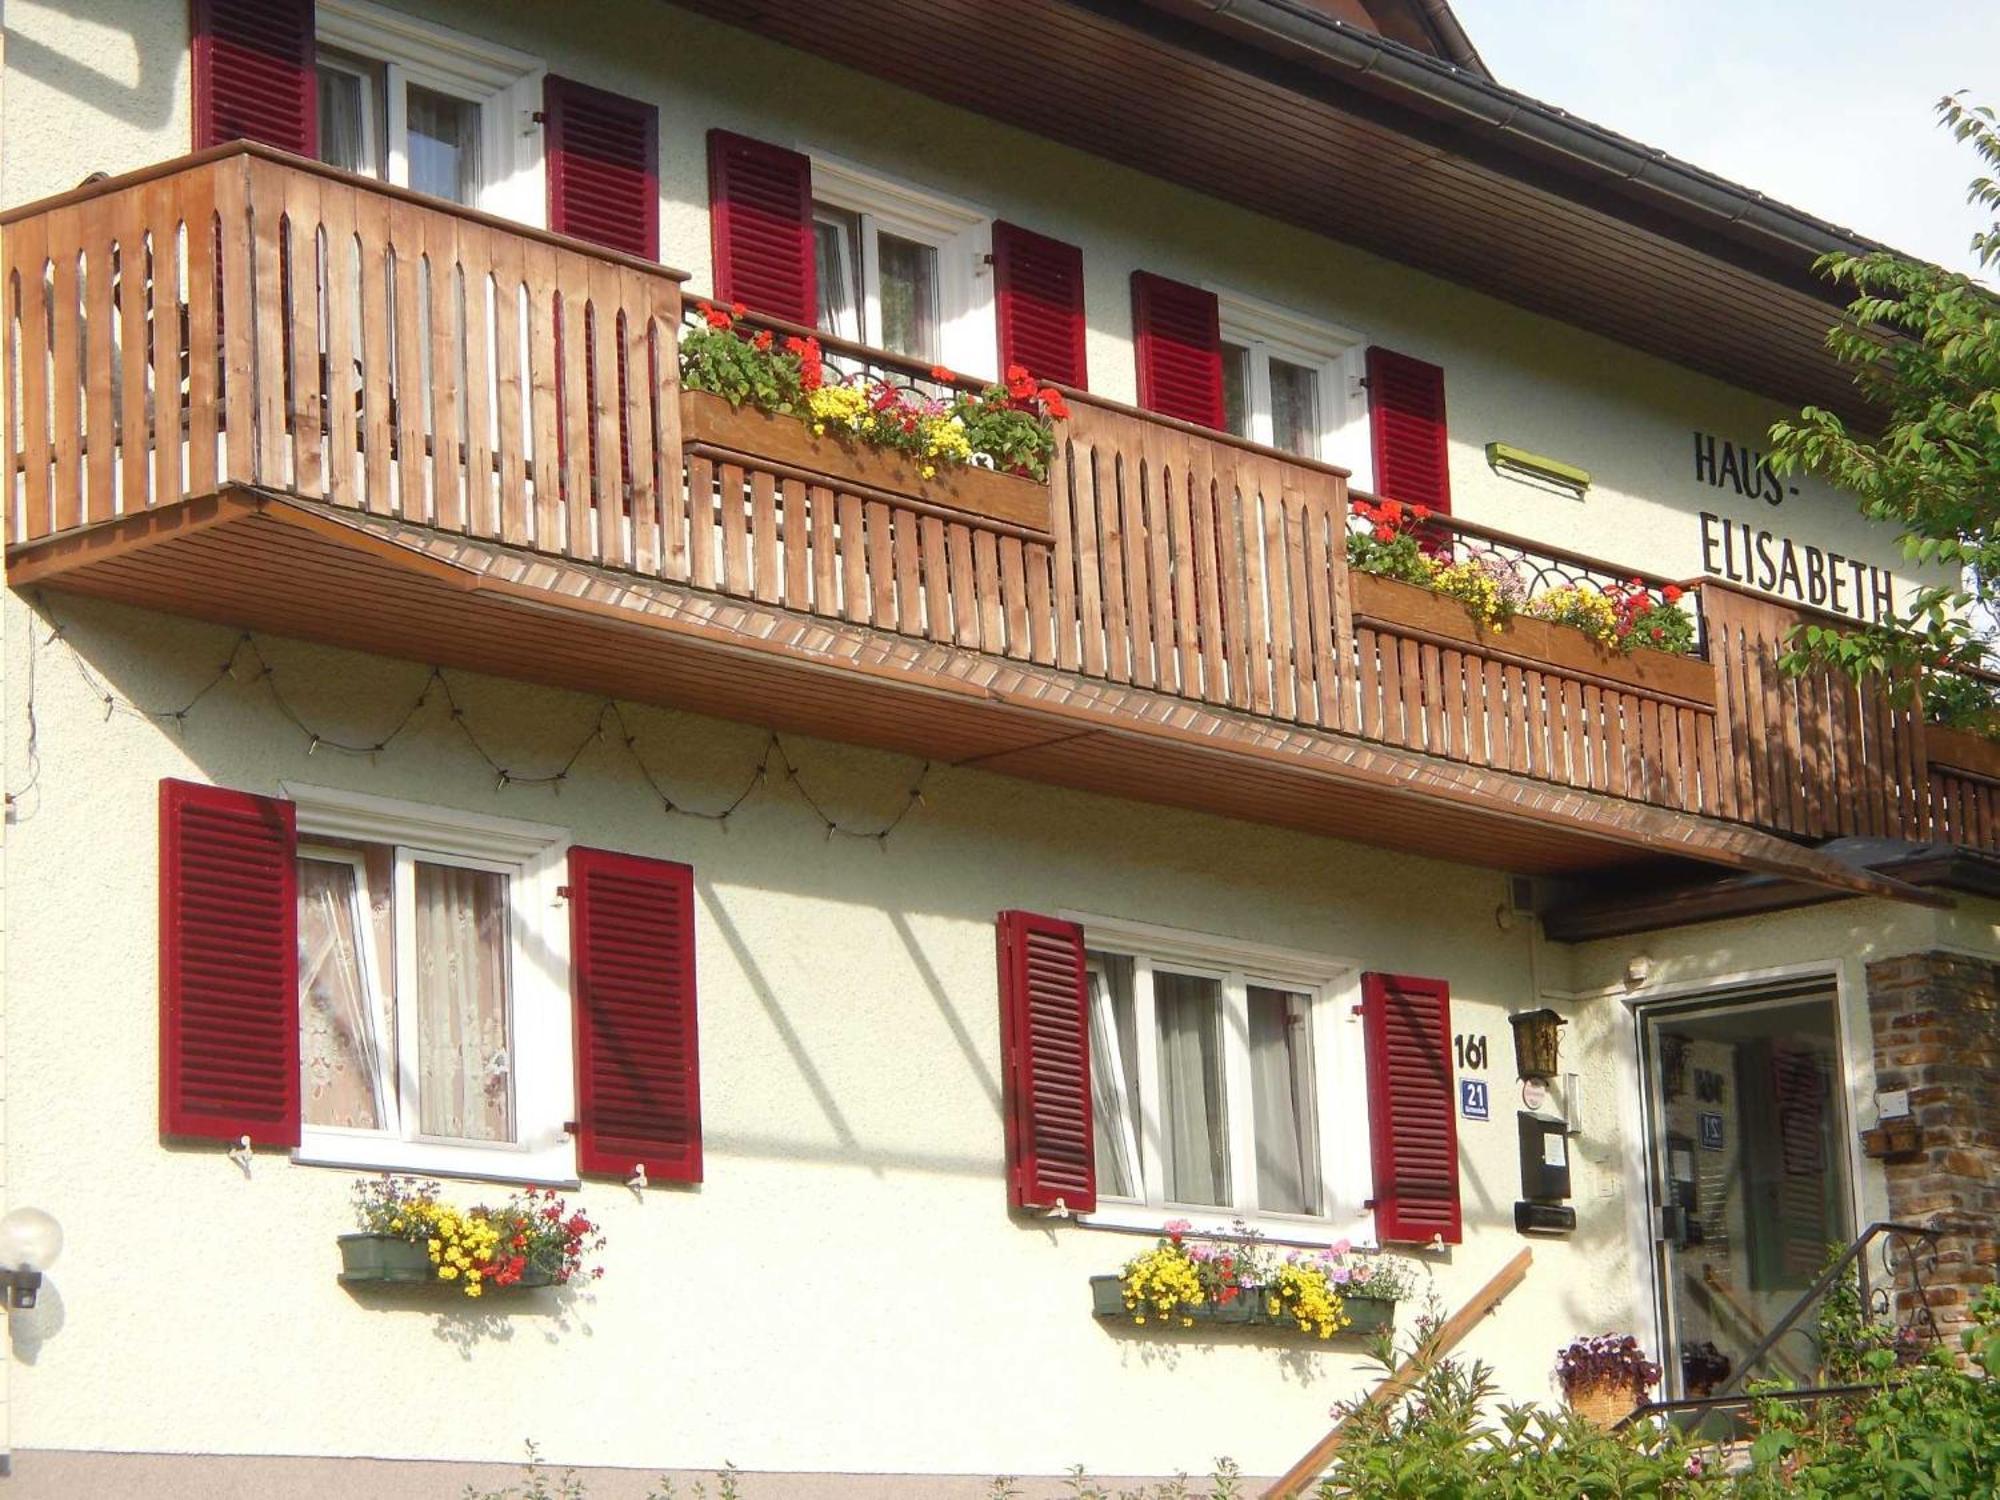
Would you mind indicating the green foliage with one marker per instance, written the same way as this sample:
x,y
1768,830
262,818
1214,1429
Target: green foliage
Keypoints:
x,y
1921,1432
1448,1439
538,1483
720,362
1924,344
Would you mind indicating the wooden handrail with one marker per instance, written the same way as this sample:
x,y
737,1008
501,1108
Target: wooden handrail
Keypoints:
x,y
1447,1337
98,187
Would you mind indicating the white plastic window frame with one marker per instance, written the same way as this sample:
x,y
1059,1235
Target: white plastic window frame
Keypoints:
x,y
961,234
505,83
1336,355
534,857
1340,1083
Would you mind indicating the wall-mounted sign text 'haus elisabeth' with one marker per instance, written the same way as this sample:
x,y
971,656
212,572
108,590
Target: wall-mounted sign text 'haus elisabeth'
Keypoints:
x,y
1769,561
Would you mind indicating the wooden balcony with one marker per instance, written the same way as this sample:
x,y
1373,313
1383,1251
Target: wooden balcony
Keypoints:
x,y
248,388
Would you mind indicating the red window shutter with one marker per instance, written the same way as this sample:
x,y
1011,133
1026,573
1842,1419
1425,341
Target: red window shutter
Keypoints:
x,y
229,966
1412,1108
761,227
253,74
1179,333
638,1070
604,167
1038,292
1407,431
1045,1033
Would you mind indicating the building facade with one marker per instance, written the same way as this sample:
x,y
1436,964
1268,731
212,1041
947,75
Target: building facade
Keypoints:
x,y
438,743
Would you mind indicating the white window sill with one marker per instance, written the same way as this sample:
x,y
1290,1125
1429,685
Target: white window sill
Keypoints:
x,y
553,1166
1221,1224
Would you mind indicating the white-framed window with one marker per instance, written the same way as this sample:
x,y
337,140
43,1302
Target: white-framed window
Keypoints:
x,y
902,269
1228,1082
1292,382
434,1009
428,108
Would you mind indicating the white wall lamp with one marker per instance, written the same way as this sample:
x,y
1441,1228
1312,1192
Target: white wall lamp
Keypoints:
x,y
30,1240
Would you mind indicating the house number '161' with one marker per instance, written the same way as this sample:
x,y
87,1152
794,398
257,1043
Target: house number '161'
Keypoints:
x,y
1471,1053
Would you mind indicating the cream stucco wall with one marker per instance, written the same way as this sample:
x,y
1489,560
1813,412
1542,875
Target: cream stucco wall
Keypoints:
x,y
103,84
846,1291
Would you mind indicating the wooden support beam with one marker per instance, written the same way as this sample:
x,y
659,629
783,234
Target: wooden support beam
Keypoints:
x,y
1448,1336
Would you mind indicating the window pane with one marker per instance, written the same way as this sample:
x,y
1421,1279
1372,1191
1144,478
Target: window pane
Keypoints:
x,y
837,250
1294,408
1236,389
444,145
1114,1076
351,128
909,296
465,1069
341,1021
1188,1013
1281,1088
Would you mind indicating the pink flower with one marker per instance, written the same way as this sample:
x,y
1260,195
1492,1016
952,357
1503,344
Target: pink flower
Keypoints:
x,y
1177,1227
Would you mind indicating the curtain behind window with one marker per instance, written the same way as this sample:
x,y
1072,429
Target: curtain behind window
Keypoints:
x,y
1114,1077
1188,1011
464,1041
1281,1075
339,1054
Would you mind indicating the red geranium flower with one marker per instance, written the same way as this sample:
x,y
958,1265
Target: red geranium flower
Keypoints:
x,y
763,340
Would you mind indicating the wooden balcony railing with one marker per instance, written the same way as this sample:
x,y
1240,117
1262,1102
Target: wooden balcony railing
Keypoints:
x,y
245,320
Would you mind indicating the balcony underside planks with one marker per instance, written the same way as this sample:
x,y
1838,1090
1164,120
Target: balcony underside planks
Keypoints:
x,y
298,568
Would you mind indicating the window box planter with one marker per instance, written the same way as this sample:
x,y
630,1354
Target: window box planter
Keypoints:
x,y
387,1260
961,490
1536,644
1367,1315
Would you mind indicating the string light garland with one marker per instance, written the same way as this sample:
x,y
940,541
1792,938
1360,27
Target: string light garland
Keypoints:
x,y
608,724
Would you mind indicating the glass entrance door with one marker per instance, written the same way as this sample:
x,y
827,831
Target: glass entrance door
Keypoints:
x,y
1746,1121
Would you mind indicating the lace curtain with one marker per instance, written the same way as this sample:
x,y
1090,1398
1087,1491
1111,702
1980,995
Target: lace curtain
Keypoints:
x,y
339,1051
464,1050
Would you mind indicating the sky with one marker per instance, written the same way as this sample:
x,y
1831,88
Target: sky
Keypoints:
x,y
1825,105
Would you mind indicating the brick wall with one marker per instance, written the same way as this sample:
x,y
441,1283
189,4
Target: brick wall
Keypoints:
x,y
1936,1019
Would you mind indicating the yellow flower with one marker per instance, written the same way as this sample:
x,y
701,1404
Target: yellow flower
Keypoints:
x,y
447,1273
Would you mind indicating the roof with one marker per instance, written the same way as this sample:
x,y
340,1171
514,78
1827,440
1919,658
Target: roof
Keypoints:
x,y
1336,126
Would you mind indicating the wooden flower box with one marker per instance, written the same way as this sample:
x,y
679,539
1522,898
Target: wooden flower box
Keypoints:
x,y
1367,1315
1539,645
388,1260
849,464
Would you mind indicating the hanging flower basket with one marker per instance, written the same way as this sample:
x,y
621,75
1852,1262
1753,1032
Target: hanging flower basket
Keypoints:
x,y
1366,1315
1603,1406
